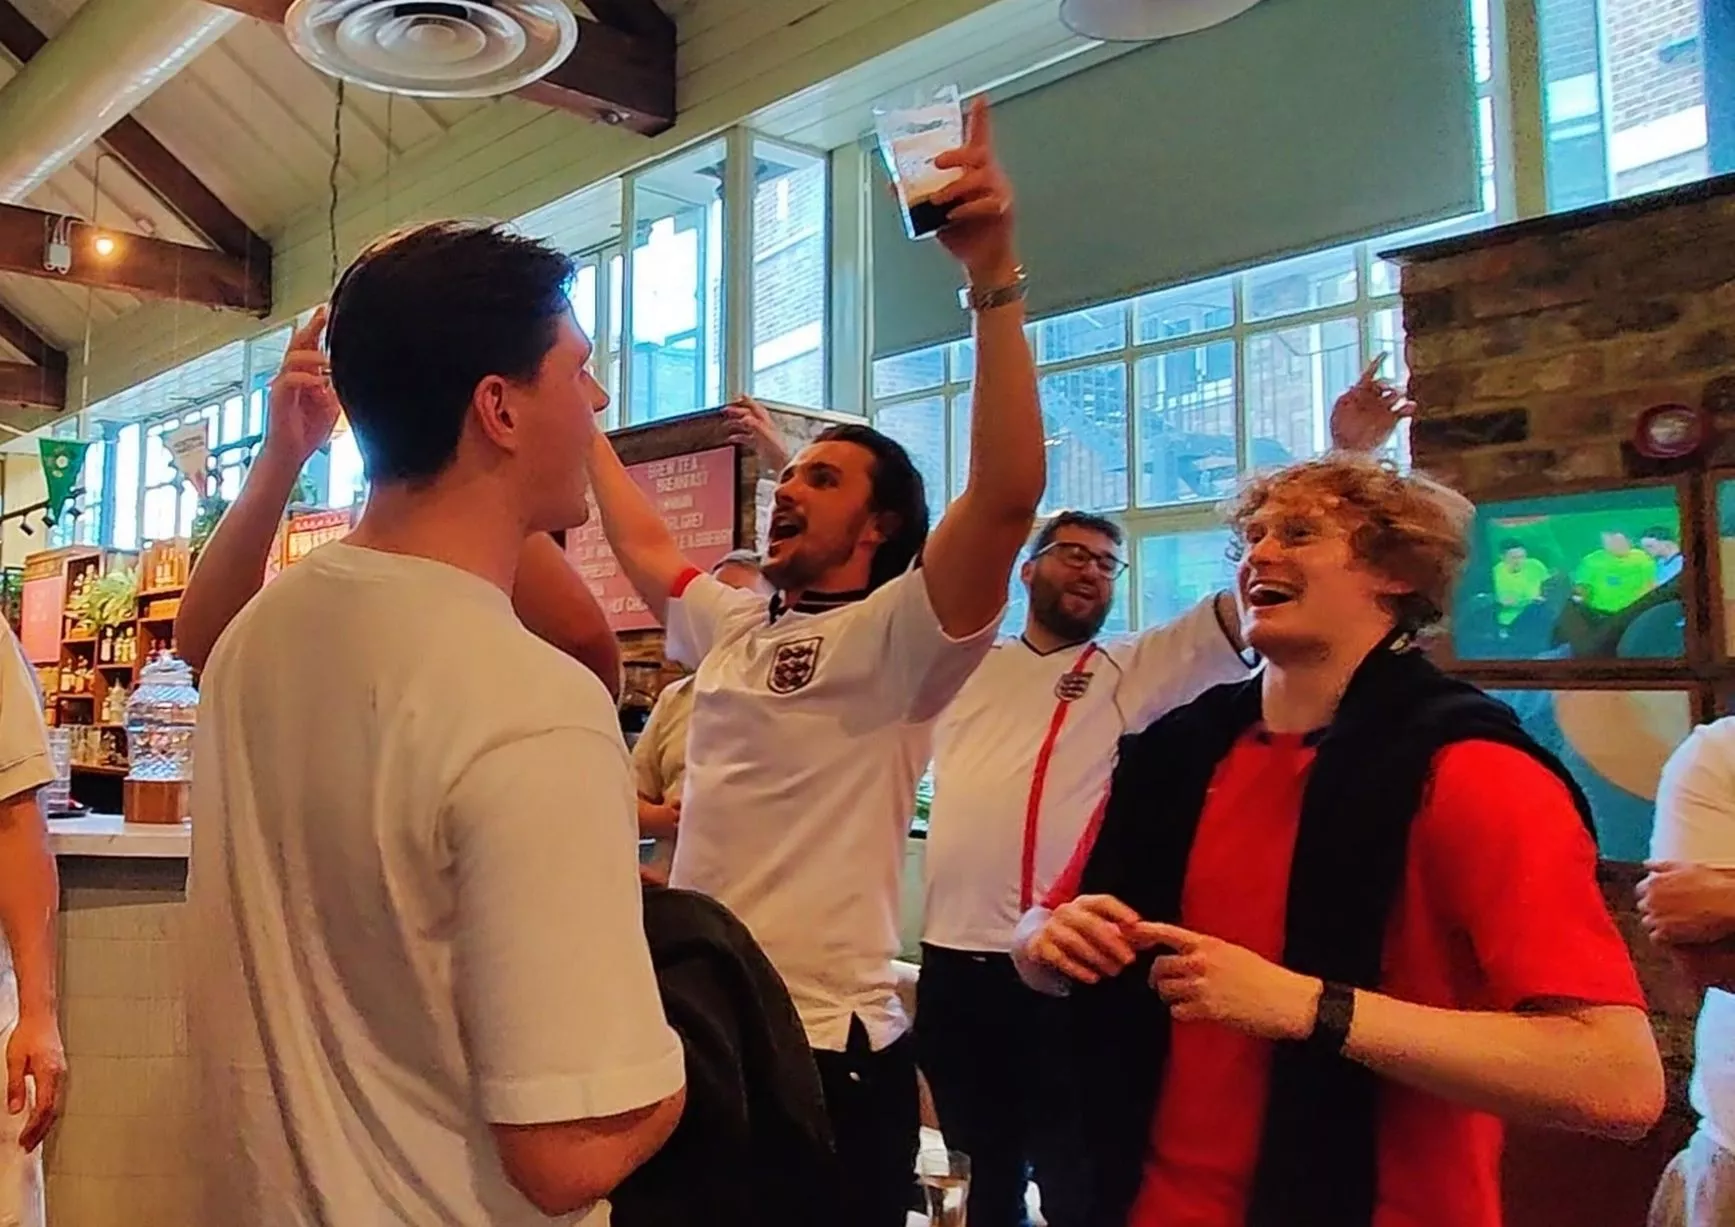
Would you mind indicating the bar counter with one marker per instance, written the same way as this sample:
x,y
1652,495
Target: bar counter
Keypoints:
x,y
120,1152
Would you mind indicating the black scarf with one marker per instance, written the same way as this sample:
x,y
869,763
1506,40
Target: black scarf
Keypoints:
x,y
1318,1151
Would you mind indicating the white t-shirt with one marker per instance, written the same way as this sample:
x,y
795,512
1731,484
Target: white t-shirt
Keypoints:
x,y
806,741
415,897
1696,825
25,761
990,762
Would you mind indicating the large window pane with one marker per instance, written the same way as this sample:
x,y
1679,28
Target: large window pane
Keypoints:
x,y
911,372
789,275
1624,97
1324,279
1178,570
1186,435
1082,333
1185,310
346,480
1084,415
677,286
920,425
960,441
584,299
1293,377
126,492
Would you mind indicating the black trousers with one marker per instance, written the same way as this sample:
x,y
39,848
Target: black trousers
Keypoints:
x,y
876,1117
994,1054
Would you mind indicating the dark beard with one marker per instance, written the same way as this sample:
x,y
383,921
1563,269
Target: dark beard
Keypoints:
x,y
1046,608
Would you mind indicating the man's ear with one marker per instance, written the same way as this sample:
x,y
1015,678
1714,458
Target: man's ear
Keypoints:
x,y
491,407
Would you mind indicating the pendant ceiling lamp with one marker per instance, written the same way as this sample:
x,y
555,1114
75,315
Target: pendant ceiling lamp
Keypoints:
x,y
434,48
1144,21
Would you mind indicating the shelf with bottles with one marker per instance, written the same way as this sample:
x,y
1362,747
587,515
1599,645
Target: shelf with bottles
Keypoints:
x,y
163,569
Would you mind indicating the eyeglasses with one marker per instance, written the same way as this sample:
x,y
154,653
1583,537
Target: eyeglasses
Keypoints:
x,y
1079,557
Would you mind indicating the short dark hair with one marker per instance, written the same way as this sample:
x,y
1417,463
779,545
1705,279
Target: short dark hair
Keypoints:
x,y
1660,533
1510,544
421,318
1075,519
898,492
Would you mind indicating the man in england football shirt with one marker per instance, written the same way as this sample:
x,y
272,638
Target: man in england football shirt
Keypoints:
x,y
812,710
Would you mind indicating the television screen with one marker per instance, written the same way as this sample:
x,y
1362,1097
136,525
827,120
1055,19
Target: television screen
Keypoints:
x,y
1574,577
1614,742
1726,557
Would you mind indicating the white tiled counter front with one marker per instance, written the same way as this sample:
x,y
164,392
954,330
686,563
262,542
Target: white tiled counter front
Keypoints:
x,y
119,1155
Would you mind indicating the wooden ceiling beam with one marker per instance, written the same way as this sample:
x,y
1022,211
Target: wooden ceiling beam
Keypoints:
x,y
161,172
622,72
32,387
149,268
32,344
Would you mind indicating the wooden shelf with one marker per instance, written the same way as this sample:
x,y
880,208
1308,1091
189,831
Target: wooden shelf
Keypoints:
x,y
73,694
78,639
112,664
171,590
94,769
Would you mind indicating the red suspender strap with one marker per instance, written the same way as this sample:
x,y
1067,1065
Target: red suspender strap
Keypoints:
x,y
1038,779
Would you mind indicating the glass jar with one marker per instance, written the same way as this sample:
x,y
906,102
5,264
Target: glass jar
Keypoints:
x,y
160,716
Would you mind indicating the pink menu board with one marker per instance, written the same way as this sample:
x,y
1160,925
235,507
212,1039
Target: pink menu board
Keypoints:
x,y
39,621
695,495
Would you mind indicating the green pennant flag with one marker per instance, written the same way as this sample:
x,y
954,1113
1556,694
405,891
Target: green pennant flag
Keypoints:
x,y
62,465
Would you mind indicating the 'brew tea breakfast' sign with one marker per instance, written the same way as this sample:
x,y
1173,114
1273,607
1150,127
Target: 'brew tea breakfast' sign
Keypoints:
x,y
695,495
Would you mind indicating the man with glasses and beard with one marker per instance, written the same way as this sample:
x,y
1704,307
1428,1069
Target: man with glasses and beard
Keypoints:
x,y
1022,759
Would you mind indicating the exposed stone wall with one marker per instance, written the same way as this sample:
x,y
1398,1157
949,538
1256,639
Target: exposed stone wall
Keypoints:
x,y
1534,354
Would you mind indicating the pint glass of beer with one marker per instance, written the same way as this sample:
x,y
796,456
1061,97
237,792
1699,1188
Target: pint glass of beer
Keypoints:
x,y
910,139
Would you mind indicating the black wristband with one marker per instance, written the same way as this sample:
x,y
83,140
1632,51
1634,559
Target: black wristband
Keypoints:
x,y
1331,1024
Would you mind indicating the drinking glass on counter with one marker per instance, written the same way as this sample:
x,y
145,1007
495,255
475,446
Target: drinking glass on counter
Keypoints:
x,y
57,793
945,1180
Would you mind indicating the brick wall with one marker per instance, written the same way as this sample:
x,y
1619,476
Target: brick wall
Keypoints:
x,y
1643,84
1534,349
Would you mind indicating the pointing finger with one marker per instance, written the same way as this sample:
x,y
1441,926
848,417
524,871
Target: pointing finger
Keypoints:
x,y
1373,369
1182,941
307,336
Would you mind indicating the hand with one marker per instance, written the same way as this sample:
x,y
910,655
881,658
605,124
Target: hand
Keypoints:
x,y
303,409
1687,904
750,424
1209,980
978,229
35,1050
1085,940
660,821
1365,416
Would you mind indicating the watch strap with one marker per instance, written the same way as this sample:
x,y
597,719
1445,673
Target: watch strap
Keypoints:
x,y
976,298
1332,1022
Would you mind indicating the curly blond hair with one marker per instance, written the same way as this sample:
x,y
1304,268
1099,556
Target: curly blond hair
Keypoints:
x,y
1402,526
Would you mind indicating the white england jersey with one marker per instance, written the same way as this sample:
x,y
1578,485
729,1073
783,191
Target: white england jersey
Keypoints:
x,y
808,734
1023,755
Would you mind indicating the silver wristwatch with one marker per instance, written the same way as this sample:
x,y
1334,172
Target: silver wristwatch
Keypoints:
x,y
974,298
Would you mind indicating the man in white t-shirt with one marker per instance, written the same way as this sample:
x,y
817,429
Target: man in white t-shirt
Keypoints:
x,y
812,712
29,902
1688,905
421,992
